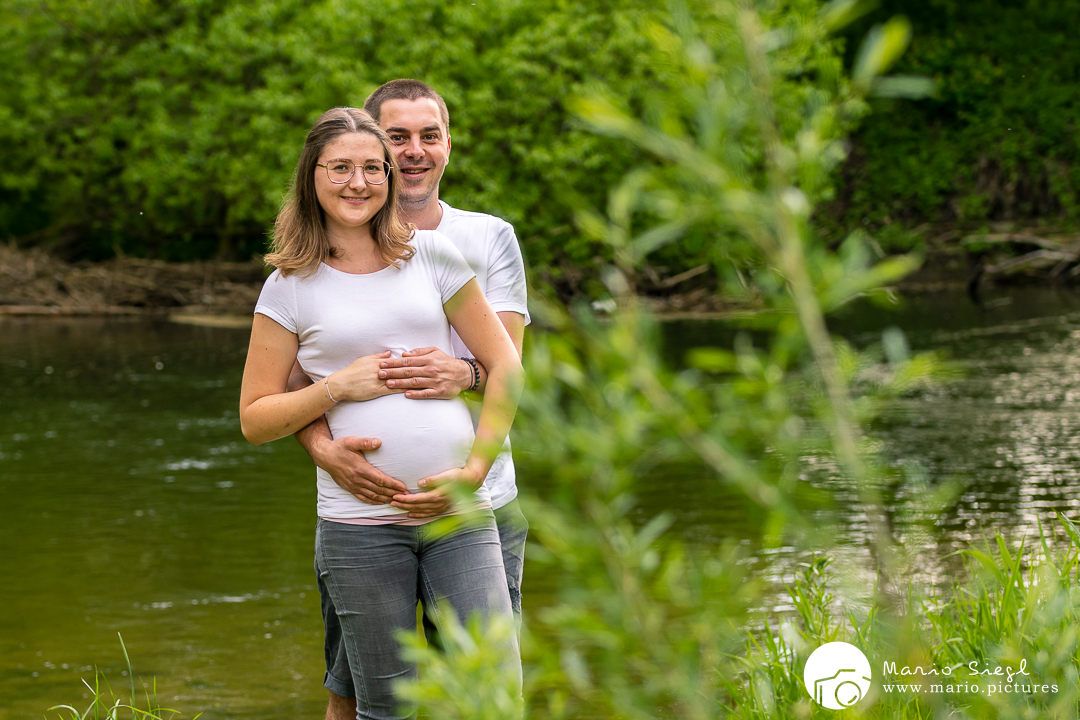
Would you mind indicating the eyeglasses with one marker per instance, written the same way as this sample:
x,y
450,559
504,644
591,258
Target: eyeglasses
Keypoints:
x,y
340,172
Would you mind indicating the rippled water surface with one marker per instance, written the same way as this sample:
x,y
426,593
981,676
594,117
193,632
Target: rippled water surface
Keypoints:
x,y
132,504
1008,429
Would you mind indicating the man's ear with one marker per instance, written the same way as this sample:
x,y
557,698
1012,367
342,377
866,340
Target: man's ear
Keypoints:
x,y
447,148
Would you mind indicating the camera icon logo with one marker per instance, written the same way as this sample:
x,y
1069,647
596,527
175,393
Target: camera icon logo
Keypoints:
x,y
837,675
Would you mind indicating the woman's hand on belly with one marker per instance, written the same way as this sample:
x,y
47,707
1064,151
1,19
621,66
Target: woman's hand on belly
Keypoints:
x,y
424,504
441,491
360,380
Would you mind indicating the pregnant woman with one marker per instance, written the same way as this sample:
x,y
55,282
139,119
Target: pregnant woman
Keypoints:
x,y
354,285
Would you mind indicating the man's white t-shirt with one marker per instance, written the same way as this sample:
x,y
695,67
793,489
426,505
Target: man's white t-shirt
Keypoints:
x,y
338,317
490,247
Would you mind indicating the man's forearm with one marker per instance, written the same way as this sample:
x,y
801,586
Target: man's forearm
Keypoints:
x,y
316,432
312,436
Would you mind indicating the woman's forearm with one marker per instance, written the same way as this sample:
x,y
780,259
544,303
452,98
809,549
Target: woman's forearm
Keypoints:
x,y
482,331
504,384
275,416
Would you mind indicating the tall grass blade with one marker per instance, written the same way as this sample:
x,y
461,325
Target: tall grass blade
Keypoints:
x,y
131,675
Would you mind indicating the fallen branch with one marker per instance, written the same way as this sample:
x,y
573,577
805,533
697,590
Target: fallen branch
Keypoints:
x,y
1032,261
673,281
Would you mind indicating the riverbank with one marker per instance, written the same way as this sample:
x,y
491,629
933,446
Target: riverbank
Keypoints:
x,y
978,258
33,282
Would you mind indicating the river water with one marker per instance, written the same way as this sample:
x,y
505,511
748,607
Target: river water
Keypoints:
x,y
132,504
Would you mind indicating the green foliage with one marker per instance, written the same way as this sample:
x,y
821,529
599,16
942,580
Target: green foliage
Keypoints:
x,y
169,129
645,626
997,141
472,680
703,130
1009,608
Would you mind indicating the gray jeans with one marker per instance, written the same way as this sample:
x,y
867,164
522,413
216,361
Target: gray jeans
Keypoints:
x,y
370,579
513,530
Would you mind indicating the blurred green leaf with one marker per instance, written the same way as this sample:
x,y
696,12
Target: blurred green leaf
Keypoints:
x,y
882,47
838,14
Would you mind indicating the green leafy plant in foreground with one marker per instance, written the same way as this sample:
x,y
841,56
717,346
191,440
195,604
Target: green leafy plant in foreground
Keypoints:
x,y
1009,608
646,624
105,705
1015,608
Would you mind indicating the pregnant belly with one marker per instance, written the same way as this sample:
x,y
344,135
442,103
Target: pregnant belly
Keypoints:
x,y
419,437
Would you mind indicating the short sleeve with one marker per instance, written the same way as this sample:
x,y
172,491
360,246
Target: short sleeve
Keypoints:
x,y
277,300
451,270
506,287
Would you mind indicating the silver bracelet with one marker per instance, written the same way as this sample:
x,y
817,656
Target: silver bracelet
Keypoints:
x,y
326,382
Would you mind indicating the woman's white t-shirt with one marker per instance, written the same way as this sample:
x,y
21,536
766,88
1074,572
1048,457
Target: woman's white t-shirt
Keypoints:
x,y
338,317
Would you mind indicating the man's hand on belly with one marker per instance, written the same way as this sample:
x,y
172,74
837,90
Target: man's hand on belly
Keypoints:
x,y
344,460
427,374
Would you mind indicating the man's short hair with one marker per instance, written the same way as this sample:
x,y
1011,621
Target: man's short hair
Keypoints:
x,y
405,89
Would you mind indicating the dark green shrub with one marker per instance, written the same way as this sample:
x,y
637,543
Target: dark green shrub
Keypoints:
x,y
169,129
998,142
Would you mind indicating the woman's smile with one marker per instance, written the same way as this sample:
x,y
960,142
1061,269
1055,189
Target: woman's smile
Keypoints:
x,y
351,205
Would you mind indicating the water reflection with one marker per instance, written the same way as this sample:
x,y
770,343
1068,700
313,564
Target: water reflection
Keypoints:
x,y
132,503
1008,429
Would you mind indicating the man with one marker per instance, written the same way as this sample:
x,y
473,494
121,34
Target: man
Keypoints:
x,y
415,118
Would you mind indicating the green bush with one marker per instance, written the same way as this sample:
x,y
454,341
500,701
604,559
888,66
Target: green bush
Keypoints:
x,y
645,626
169,129
997,142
